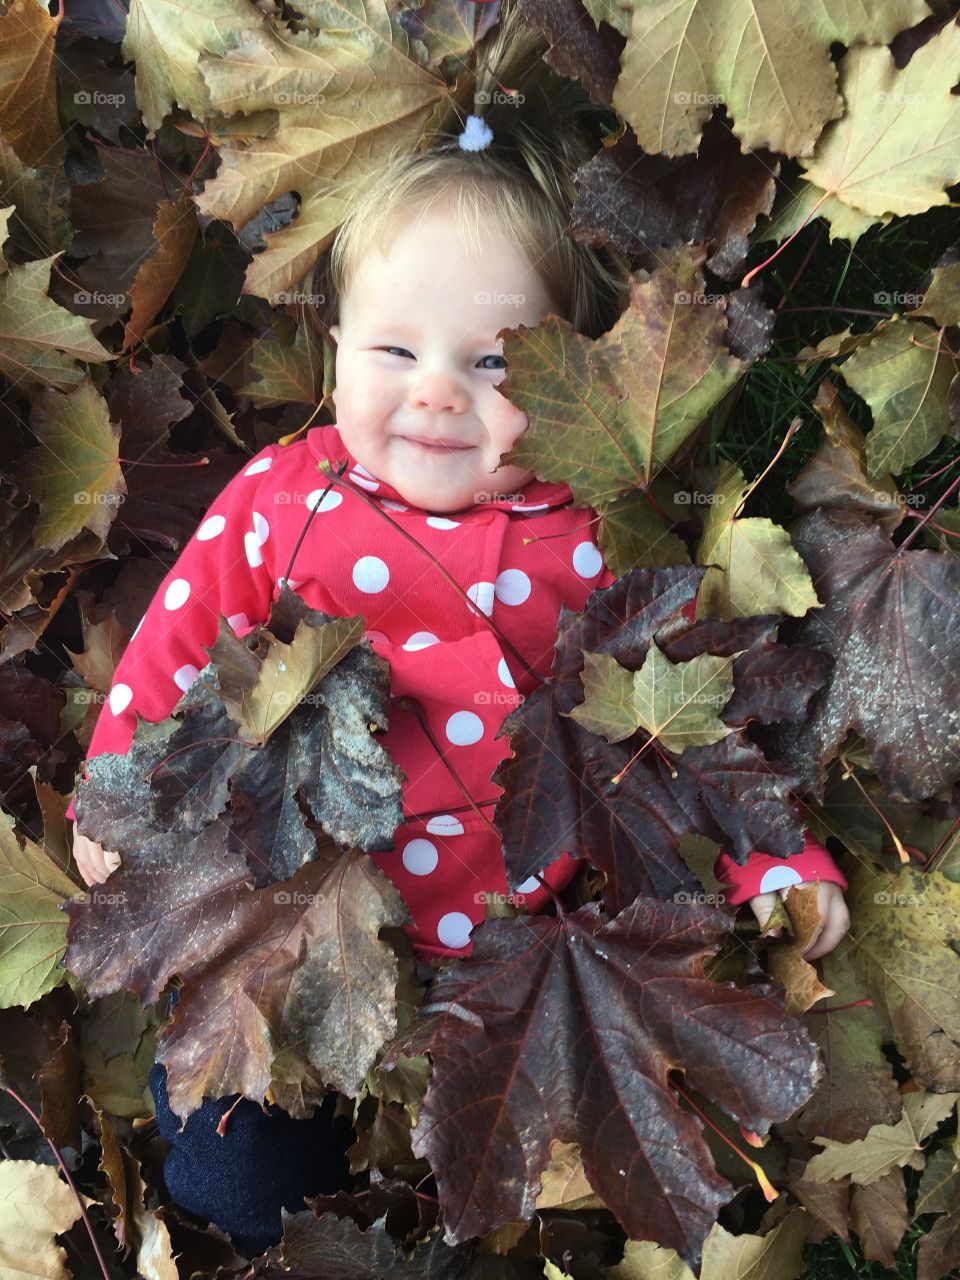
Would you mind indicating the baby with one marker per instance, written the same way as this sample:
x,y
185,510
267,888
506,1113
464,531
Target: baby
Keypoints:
x,y
423,426
444,250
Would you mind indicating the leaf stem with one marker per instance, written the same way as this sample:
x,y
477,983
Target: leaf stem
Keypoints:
x,y
769,1190
803,266
940,852
940,348
437,565
66,1173
135,462
838,1008
780,248
926,519
309,519
848,772
190,746
553,894
790,433
409,703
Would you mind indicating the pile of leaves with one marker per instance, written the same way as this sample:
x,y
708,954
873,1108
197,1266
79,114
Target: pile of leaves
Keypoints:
x,y
634,1080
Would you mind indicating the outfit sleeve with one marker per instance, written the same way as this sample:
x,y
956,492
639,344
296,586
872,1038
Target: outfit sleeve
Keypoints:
x,y
763,873
221,570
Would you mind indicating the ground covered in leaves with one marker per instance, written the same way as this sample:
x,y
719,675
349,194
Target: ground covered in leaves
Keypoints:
x,y
634,1083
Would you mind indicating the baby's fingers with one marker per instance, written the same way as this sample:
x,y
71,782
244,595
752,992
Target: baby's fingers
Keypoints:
x,y
762,904
92,862
834,921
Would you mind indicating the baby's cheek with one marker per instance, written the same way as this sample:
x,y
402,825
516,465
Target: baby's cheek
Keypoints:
x,y
513,423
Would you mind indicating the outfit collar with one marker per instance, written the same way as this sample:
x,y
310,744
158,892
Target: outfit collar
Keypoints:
x,y
326,445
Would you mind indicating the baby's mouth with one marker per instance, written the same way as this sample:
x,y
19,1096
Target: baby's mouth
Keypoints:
x,y
440,445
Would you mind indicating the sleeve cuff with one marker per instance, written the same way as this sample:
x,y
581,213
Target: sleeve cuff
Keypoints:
x,y
764,873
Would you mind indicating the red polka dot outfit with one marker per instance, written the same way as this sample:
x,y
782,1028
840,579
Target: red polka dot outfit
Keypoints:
x,y
446,856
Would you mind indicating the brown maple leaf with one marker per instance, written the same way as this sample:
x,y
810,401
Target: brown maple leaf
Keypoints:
x,y
568,1028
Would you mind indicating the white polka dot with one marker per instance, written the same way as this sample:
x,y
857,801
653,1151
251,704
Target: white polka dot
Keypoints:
x,y
293,583
445,824
251,546
120,696
453,929
260,527
255,468
137,628
317,500
503,671
239,621
420,857
438,522
185,677
587,560
365,480
363,471
393,506
176,594
530,506
481,593
377,636
464,729
512,586
210,528
530,885
370,574
420,640
779,878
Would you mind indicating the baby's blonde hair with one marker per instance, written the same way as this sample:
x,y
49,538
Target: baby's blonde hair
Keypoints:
x,y
522,181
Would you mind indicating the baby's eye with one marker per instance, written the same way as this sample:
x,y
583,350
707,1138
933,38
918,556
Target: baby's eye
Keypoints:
x,y
491,368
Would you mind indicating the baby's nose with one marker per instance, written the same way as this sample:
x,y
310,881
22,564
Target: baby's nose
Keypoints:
x,y
440,393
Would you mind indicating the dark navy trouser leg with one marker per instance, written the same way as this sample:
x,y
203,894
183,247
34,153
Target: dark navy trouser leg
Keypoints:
x,y
265,1160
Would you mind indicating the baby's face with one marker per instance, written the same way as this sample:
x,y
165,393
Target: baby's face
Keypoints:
x,y
418,361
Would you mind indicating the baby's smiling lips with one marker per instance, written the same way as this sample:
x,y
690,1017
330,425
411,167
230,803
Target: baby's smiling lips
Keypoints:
x,y
440,444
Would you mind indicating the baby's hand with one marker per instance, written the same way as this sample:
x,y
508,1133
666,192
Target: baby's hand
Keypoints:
x,y
94,864
834,916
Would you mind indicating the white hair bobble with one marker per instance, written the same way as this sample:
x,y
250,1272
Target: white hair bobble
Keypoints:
x,y
476,135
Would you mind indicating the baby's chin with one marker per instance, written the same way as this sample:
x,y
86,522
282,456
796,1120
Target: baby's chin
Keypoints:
x,y
431,499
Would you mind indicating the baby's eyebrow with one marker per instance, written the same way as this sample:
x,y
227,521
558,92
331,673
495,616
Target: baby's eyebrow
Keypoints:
x,y
400,330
